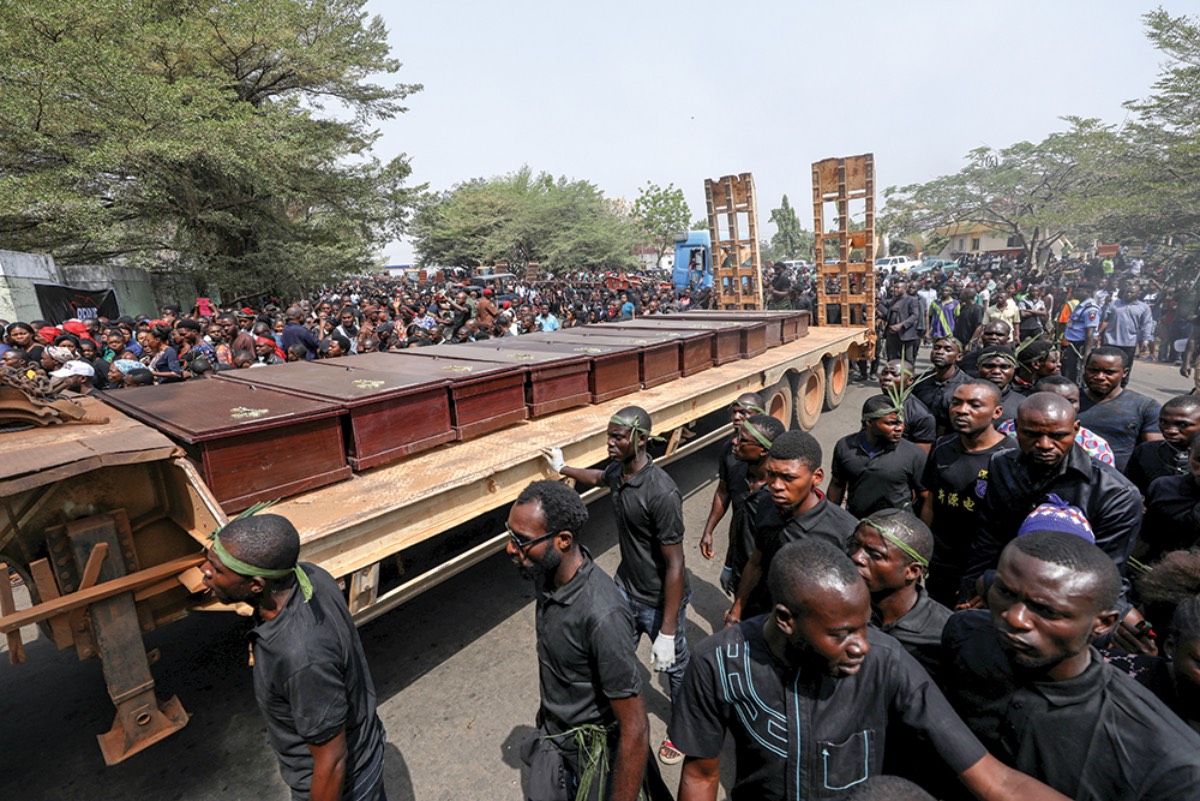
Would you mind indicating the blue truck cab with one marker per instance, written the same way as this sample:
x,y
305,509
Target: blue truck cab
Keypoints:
x,y
693,261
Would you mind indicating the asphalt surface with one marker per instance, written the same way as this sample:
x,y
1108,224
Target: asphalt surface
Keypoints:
x,y
455,670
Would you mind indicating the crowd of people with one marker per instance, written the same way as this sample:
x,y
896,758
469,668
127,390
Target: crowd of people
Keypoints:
x,y
995,594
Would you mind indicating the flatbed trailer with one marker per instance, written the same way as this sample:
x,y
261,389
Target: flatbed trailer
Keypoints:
x,y
108,530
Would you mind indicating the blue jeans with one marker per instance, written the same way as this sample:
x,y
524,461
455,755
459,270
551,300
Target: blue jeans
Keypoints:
x,y
647,620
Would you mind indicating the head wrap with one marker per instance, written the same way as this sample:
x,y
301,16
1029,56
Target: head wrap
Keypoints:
x,y
753,431
59,354
244,569
126,366
634,426
48,333
998,352
895,408
887,526
1057,515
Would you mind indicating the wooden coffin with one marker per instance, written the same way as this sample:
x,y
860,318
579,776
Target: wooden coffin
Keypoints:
x,y
727,339
612,369
659,352
786,326
697,346
251,444
484,396
553,381
388,415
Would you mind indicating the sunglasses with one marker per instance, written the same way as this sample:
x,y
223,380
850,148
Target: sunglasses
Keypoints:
x,y
523,544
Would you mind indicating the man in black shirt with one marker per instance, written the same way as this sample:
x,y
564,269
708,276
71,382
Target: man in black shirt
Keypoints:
x,y
896,379
781,289
956,475
587,664
1123,417
933,388
1048,461
876,467
746,405
994,333
901,314
649,513
891,550
998,364
1036,360
791,509
1178,422
1173,511
970,317
808,693
310,674
1027,681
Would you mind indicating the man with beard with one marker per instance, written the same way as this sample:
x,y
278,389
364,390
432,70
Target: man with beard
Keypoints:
x,y
808,693
876,468
1178,422
1046,462
790,507
1026,679
310,673
956,474
1123,417
591,697
648,509
747,404
347,327
934,387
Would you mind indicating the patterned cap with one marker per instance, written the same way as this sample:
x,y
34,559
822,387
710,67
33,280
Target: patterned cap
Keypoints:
x,y
1057,515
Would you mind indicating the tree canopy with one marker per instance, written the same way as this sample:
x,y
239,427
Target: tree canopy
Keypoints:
x,y
195,137
561,224
661,213
791,240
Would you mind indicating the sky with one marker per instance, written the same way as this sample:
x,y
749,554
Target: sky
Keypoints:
x,y
623,92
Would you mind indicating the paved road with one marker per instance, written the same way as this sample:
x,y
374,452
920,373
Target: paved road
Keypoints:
x,y
455,670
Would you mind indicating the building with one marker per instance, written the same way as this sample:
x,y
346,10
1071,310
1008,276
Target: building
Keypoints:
x,y
979,239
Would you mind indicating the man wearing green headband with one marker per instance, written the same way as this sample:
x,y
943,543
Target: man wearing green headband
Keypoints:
x,y
310,673
891,550
648,508
876,468
998,364
746,405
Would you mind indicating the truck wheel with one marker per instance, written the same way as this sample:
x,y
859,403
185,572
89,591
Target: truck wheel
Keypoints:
x,y
778,401
837,378
808,397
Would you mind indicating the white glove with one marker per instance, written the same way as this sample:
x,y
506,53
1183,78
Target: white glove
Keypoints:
x,y
662,653
555,457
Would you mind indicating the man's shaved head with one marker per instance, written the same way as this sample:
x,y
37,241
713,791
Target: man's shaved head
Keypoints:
x,y
1048,405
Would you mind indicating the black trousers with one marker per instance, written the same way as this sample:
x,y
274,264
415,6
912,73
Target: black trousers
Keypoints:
x,y
902,349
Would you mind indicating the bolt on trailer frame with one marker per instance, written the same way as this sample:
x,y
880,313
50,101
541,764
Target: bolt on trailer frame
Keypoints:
x,y
737,266
845,286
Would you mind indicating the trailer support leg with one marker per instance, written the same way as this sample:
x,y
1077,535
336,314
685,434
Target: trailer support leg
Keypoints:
x,y
141,720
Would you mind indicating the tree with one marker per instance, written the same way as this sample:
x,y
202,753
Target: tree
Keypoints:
x,y
661,213
1035,193
563,225
790,241
191,137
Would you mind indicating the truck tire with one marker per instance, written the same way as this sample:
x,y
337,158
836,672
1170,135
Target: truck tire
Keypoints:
x,y
837,379
778,401
808,397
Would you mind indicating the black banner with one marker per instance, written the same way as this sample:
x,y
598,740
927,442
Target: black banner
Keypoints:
x,y
61,303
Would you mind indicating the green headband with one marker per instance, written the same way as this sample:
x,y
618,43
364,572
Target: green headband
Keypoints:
x,y
243,569
1008,357
633,425
880,524
762,438
897,410
751,406
957,344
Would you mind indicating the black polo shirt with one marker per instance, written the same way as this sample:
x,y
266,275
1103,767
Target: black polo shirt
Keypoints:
x,y
741,532
772,531
310,680
1010,399
936,394
799,733
957,480
884,480
649,513
1172,515
920,631
585,651
1100,736
919,426
1155,459
1112,505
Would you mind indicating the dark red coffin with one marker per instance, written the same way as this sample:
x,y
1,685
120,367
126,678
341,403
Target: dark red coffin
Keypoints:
x,y
389,415
484,396
251,444
727,340
659,352
612,370
697,345
554,381
786,326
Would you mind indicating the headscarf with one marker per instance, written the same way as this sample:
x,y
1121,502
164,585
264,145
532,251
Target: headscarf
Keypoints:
x,y
126,366
59,354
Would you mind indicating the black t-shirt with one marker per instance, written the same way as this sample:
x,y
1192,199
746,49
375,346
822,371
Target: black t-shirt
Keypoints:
x,y
957,481
1120,420
586,654
884,480
310,680
936,394
1172,515
1155,459
1100,736
741,532
970,316
799,733
649,513
919,426
920,631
